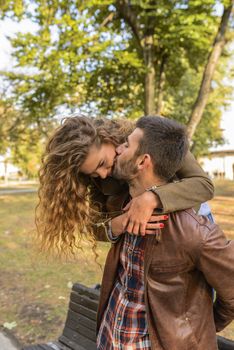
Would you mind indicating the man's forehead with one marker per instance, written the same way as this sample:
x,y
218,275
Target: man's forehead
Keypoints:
x,y
136,135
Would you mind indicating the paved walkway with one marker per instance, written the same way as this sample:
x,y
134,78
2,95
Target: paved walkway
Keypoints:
x,y
15,191
6,343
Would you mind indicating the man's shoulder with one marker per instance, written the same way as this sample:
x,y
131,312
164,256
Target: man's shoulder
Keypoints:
x,y
191,224
189,216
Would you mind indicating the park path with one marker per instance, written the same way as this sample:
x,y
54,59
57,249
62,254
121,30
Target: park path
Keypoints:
x,y
6,343
15,191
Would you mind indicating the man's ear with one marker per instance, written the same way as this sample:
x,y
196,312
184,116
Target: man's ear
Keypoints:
x,y
144,161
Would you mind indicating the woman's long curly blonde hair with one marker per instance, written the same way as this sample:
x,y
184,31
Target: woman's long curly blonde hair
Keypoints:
x,y
64,211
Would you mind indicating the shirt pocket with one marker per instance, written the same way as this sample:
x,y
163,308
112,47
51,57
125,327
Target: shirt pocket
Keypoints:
x,y
167,283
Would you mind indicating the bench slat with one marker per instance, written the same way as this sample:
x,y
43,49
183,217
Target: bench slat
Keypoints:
x,y
74,340
89,292
71,345
224,343
81,329
83,300
78,319
80,309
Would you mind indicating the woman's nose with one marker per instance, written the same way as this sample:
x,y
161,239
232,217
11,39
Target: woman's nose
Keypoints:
x,y
102,173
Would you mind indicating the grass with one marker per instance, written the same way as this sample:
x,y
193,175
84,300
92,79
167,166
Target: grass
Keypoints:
x,y
34,292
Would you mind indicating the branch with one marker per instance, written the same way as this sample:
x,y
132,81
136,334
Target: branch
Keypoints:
x,y
108,19
130,17
208,73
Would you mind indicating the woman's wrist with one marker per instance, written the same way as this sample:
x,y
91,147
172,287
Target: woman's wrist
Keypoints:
x,y
117,226
153,199
113,238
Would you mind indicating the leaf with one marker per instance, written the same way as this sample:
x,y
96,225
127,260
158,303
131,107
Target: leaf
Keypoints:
x,y
70,284
10,325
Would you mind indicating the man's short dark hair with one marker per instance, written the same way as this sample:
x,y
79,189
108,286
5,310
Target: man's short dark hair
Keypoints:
x,y
165,140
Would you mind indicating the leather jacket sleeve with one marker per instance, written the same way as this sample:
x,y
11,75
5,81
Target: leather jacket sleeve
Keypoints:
x,y
216,261
193,188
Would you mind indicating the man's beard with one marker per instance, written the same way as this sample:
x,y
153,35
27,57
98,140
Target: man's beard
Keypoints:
x,y
125,170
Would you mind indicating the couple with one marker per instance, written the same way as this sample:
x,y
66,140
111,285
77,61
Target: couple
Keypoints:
x,y
155,294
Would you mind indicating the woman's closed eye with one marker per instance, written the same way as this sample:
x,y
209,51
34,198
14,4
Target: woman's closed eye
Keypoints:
x,y
102,163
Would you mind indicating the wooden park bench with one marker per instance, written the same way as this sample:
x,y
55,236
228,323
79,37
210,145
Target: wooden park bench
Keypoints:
x,y
79,332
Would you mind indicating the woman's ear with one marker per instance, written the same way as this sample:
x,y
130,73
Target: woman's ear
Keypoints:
x,y
144,161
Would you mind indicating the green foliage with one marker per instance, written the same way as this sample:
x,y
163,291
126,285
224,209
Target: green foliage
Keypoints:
x,y
13,7
23,135
26,153
90,56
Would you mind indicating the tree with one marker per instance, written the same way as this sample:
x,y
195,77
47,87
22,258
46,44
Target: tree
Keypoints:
x,y
21,139
113,57
211,64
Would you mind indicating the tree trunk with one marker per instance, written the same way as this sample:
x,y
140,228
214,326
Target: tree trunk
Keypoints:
x,y
161,84
150,75
213,58
6,171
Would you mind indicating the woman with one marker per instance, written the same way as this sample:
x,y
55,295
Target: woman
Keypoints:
x,y
78,196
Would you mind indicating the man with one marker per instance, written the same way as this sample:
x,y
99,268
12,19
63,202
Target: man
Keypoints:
x,y
158,294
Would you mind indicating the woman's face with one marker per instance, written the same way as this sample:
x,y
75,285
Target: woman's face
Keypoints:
x,y
100,161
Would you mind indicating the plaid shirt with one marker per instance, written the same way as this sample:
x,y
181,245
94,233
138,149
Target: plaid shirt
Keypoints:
x,y
124,324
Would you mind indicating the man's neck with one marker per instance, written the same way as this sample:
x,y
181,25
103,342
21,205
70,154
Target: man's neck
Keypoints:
x,y
139,184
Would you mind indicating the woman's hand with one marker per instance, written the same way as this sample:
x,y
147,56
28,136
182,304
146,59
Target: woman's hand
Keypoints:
x,y
117,227
139,212
154,223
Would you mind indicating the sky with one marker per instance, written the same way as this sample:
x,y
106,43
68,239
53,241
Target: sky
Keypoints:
x,y
8,28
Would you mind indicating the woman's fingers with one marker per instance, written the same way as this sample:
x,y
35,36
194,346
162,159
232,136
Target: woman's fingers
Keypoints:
x,y
130,226
155,226
155,218
150,232
142,229
135,229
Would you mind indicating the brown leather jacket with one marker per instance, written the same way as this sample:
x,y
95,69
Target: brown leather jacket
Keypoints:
x,y
192,257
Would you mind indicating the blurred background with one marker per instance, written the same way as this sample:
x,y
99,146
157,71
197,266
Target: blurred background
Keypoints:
x,y
120,58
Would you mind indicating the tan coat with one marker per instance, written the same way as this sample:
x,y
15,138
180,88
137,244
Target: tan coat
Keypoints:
x,y
192,257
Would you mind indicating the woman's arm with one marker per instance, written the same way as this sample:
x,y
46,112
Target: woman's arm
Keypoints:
x,y
193,187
